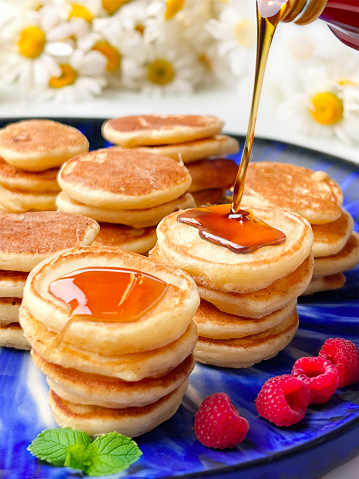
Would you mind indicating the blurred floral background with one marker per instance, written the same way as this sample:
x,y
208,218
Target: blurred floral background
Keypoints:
x,y
70,51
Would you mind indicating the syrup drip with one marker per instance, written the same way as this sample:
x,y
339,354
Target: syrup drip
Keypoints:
x,y
231,226
108,295
240,232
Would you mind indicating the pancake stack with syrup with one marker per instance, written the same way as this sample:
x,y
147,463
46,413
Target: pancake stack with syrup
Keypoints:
x,y
31,153
113,332
127,192
25,240
318,198
194,140
248,296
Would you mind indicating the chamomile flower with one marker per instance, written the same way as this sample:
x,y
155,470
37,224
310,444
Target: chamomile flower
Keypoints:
x,y
27,40
323,107
82,76
165,70
235,32
162,22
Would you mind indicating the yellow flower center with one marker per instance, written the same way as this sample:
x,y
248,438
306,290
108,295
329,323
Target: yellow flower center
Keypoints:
x,y
111,6
140,28
31,42
68,77
245,33
206,62
344,82
327,108
79,11
160,72
173,7
113,56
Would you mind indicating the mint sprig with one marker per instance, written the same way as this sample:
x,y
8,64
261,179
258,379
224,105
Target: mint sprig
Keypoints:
x,y
105,455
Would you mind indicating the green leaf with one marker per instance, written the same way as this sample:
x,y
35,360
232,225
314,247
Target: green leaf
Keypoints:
x,y
51,445
115,453
80,456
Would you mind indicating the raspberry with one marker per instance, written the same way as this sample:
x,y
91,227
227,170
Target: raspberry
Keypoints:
x,y
319,375
345,357
218,423
283,400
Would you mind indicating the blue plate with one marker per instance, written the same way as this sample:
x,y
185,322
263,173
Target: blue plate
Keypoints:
x,y
327,436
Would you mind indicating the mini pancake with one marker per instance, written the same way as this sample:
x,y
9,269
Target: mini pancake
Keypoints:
x,y
244,352
123,179
215,324
18,201
21,180
28,238
138,240
137,218
208,197
148,130
330,238
311,194
132,422
325,283
91,389
258,303
37,145
9,310
216,267
128,367
217,145
208,174
12,336
346,259
157,327
12,284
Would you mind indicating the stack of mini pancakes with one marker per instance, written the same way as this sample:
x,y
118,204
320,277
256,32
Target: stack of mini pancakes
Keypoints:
x,y
25,240
128,375
127,192
248,301
318,198
192,139
31,152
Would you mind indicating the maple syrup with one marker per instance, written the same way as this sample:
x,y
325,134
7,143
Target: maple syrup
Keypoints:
x,y
106,294
229,225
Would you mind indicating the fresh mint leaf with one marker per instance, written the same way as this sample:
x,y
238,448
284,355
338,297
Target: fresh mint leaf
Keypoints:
x,y
80,456
52,445
115,453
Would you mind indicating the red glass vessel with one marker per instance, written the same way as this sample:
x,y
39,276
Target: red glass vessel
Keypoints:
x,y
342,17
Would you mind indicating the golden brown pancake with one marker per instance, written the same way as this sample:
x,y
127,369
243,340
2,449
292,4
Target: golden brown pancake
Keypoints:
x,y
138,240
123,179
12,283
312,194
37,145
128,367
346,259
83,388
244,352
216,267
12,336
131,422
330,238
325,283
147,130
215,324
9,310
22,180
208,197
258,303
137,218
209,174
28,238
217,145
157,327
18,201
